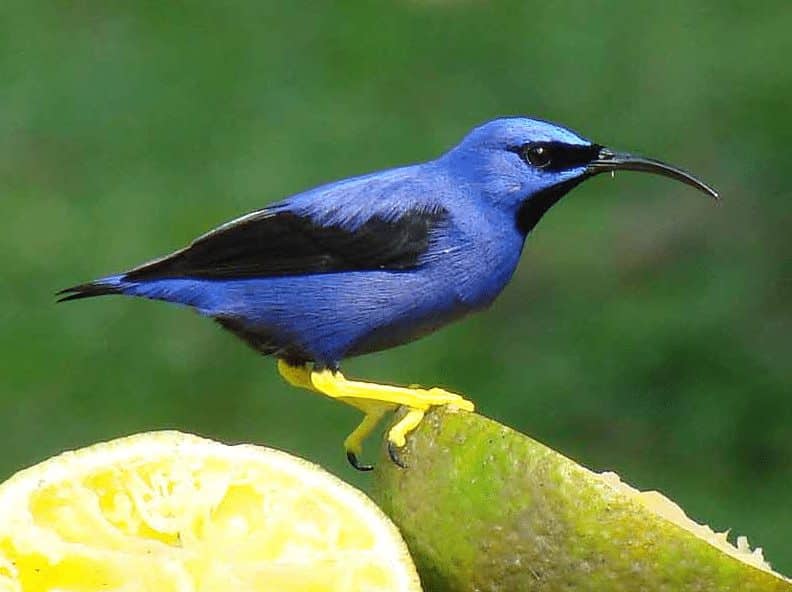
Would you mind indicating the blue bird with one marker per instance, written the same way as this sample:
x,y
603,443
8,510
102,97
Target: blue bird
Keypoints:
x,y
372,262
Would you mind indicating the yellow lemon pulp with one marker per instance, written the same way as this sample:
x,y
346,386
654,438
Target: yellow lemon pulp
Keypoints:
x,y
168,511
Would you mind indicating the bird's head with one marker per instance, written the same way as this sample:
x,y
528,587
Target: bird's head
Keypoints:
x,y
526,165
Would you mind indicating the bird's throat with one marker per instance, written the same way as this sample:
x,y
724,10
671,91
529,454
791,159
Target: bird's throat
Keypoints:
x,y
535,206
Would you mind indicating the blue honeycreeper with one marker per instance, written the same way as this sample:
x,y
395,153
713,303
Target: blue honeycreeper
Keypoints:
x,y
375,261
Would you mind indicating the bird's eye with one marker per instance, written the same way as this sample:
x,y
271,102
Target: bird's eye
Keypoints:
x,y
536,155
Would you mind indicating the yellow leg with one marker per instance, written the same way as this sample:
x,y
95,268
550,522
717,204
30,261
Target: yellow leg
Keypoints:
x,y
374,400
398,433
336,386
354,441
299,376
353,445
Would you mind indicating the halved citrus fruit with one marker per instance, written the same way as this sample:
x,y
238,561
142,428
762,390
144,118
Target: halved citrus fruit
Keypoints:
x,y
485,508
167,511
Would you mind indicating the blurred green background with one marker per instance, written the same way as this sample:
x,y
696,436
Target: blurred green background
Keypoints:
x,y
646,331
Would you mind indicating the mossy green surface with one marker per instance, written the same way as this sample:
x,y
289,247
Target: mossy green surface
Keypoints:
x,y
484,508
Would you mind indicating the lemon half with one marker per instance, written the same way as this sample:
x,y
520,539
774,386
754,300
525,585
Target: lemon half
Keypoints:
x,y
168,511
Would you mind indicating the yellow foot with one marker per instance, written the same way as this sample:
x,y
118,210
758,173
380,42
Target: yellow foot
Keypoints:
x,y
374,400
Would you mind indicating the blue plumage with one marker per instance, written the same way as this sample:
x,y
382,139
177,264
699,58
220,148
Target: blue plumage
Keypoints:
x,y
374,261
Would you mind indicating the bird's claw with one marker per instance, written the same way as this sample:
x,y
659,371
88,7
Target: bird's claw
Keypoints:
x,y
353,460
393,453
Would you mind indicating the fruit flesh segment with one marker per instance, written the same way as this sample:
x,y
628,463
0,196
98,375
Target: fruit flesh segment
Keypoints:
x,y
196,524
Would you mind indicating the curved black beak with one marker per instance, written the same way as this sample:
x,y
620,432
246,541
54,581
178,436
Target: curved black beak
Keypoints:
x,y
608,160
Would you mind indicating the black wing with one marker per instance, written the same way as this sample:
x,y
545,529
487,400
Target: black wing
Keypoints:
x,y
280,242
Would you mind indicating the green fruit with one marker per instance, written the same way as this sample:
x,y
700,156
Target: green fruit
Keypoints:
x,y
484,508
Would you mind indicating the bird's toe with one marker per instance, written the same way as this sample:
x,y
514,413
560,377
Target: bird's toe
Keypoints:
x,y
395,455
353,460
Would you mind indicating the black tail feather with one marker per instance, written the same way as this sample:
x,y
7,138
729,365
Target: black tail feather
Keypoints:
x,y
88,290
